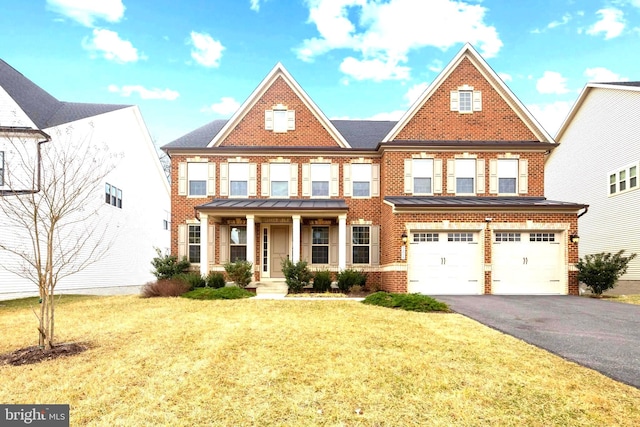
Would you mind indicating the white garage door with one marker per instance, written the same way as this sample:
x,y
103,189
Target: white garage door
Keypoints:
x,y
443,263
528,263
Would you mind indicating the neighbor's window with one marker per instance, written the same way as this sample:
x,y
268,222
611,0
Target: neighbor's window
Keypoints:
x,y
320,176
279,176
422,176
112,195
238,179
361,176
194,244
1,168
238,244
507,176
197,176
465,176
320,245
360,238
624,179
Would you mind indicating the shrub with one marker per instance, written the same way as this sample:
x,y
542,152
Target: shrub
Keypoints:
x,y
240,272
164,288
322,281
408,302
215,280
349,278
230,292
601,271
296,274
166,266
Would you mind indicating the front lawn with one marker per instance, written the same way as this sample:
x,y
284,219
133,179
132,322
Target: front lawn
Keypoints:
x,y
182,362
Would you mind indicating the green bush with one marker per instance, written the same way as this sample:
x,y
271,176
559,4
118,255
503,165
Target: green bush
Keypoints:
x,y
240,272
192,279
215,280
166,266
349,278
296,274
229,292
173,287
601,271
322,281
408,302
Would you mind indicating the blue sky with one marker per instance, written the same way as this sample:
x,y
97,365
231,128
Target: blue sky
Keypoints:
x,y
185,63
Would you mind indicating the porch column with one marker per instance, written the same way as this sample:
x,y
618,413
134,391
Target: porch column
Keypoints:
x,y
251,239
342,242
204,234
296,238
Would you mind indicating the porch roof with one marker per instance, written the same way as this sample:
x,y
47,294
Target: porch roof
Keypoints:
x,y
454,202
275,205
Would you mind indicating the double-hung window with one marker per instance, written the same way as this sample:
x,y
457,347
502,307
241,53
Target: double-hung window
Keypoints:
x,y
238,179
465,176
197,176
361,176
194,243
624,179
320,245
361,244
113,195
422,176
507,176
279,176
320,178
238,244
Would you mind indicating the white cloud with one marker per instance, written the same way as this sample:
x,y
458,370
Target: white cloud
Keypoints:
x,y
550,116
565,20
225,107
206,51
505,77
145,93
373,69
111,46
612,23
255,5
552,82
436,66
385,32
601,74
86,12
414,92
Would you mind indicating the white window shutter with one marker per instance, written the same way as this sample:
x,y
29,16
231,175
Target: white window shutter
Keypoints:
x,y
264,180
182,179
224,179
293,180
224,244
454,100
346,176
211,179
451,176
182,241
349,243
334,190
253,177
493,176
477,100
333,246
480,175
291,120
437,176
211,237
375,180
306,180
375,245
523,176
408,177
268,120
305,243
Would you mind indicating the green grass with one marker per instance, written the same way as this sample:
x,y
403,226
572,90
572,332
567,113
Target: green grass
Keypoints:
x,y
229,292
408,302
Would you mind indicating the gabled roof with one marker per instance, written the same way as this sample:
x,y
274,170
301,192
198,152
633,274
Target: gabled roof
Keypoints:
x,y
469,52
42,108
627,86
277,72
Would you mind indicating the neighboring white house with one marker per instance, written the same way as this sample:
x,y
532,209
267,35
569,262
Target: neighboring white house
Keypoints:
x,y
138,208
597,163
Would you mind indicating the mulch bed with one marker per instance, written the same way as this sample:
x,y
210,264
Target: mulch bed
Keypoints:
x,y
34,354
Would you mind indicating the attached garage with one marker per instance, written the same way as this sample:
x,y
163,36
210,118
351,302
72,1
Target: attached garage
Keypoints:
x,y
445,263
531,262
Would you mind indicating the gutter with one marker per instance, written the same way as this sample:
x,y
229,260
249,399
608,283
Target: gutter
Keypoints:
x,y
47,138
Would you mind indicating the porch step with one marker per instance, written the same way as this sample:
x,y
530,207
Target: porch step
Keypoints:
x,y
271,289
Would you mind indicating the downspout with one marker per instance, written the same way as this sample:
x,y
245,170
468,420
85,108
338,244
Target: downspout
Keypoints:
x,y
586,209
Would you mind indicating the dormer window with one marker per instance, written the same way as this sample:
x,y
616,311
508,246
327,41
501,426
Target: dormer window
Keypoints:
x,y
280,119
465,100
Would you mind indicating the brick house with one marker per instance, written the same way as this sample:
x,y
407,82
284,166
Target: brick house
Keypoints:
x,y
447,200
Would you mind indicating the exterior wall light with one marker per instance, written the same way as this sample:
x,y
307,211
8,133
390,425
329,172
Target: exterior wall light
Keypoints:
x,y
574,238
404,238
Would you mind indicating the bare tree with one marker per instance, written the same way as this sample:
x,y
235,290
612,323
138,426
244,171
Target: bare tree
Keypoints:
x,y
59,230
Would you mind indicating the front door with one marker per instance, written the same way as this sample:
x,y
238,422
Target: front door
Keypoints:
x,y
279,248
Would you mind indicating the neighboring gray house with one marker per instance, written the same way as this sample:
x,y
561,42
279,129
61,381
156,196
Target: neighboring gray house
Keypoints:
x,y
597,163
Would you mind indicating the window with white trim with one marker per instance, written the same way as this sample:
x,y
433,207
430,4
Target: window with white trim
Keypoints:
x,y
1,168
361,244
460,237
507,237
279,174
197,179
542,237
507,176
425,237
238,179
194,243
465,176
238,244
112,195
279,119
361,178
624,179
422,171
320,245
320,178
466,100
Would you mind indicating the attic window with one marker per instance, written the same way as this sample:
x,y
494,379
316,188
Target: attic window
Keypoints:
x,y
280,119
466,100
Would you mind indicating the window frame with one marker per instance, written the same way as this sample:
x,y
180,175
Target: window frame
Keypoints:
x,y
328,176
469,93
230,167
202,181
416,174
240,244
623,180
473,177
324,244
354,168
113,195
500,176
286,172
193,242
359,244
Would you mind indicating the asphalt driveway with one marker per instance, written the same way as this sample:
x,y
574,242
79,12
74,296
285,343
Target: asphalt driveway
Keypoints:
x,y
599,334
